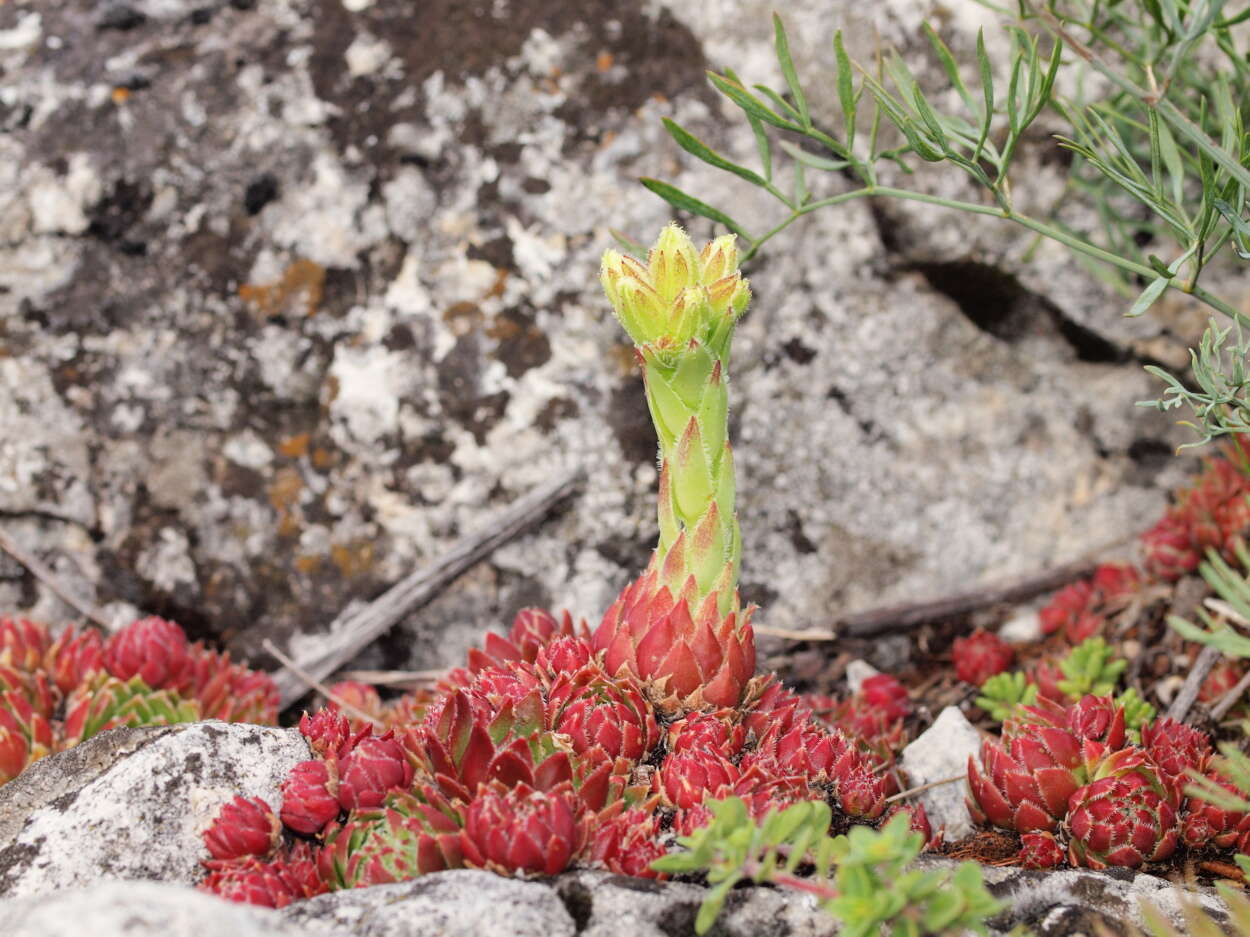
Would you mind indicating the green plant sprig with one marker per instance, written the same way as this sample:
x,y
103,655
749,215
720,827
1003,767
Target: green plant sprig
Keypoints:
x,y
863,878
1168,140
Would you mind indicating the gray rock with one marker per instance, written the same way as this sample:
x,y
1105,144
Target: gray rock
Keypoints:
x,y
942,752
133,804
146,909
1071,901
1025,627
857,671
607,905
171,443
466,903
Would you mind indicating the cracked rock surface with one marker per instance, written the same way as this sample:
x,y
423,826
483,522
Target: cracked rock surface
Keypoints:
x,y
295,292
133,803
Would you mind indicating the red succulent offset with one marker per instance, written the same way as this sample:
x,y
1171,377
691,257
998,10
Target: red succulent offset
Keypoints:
x,y
1168,549
1067,606
22,643
717,731
1206,824
1040,850
73,657
328,731
1123,820
153,649
415,833
980,656
274,884
25,735
1027,787
611,715
626,843
861,792
462,746
375,766
1177,749
310,796
358,696
246,826
774,706
521,830
883,693
686,778
563,655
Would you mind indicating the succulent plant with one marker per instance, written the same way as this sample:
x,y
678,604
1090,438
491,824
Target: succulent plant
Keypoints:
x,y
272,884
686,778
106,702
310,796
626,842
521,830
1040,850
1176,749
413,833
375,766
1224,824
595,712
1002,693
73,658
465,746
718,731
25,735
152,649
981,655
23,644
1126,819
1024,783
1090,668
245,826
679,626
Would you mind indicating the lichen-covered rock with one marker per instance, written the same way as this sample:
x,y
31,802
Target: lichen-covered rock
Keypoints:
x,y
146,909
466,903
133,803
256,391
1071,901
941,752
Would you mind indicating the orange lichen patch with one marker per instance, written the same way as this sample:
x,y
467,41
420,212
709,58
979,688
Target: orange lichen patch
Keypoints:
x,y
322,458
303,279
496,289
120,95
284,492
295,446
462,318
352,558
604,61
307,563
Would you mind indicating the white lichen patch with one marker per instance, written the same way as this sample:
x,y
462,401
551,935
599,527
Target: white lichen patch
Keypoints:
x,y
144,816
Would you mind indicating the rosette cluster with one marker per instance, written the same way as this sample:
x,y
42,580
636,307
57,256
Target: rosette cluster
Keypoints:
x,y
533,757
57,691
1069,781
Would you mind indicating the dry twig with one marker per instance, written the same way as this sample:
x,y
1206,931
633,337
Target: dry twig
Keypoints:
x,y
312,683
49,579
1193,683
348,636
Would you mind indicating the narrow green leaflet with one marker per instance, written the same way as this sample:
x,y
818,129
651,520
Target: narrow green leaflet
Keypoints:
x,y
679,199
787,69
696,147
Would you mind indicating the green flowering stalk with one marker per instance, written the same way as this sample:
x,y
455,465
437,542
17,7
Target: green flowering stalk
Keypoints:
x,y
680,625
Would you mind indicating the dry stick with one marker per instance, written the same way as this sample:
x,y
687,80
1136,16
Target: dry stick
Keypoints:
x,y
1193,683
49,579
312,683
401,679
1229,699
924,787
909,615
348,636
